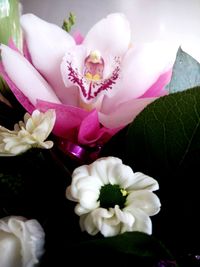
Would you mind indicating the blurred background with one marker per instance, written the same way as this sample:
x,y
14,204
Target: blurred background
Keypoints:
x,y
150,19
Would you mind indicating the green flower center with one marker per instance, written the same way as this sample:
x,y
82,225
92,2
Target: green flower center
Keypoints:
x,y
111,195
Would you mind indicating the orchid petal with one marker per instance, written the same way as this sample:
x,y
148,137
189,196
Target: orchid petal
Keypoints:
x,y
91,132
124,113
25,77
140,69
47,51
158,88
111,35
78,37
82,126
73,59
68,119
23,100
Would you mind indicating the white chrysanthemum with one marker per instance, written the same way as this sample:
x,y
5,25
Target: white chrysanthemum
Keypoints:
x,y
112,199
30,133
21,242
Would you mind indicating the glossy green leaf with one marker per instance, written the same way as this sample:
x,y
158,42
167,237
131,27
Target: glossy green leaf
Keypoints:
x,y
186,73
136,247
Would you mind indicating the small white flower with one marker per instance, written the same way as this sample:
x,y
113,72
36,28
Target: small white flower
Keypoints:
x,y
30,133
112,199
21,242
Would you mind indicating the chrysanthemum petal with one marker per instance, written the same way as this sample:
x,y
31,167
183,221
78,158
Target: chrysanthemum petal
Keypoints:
x,y
143,181
142,222
144,200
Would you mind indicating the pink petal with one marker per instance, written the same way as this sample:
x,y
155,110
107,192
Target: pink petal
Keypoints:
x,y
91,132
25,77
26,52
47,44
77,125
12,45
157,89
68,119
23,100
124,113
78,37
111,36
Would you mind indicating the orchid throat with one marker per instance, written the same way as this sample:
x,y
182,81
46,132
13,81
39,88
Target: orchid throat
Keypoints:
x,y
92,82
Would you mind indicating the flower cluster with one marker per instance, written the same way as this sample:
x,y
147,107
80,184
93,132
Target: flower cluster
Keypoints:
x,y
122,125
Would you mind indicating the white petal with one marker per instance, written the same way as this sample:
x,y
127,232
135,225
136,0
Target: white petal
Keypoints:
x,y
144,200
140,69
88,199
87,224
75,58
104,168
111,36
25,77
31,235
142,181
43,124
80,210
126,218
10,249
123,114
142,222
110,230
106,221
47,44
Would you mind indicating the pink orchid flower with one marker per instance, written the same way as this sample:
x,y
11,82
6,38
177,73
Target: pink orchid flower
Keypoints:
x,y
96,87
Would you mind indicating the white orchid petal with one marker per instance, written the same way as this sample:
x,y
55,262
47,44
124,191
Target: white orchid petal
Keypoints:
x,y
26,78
110,35
140,69
74,58
124,114
47,51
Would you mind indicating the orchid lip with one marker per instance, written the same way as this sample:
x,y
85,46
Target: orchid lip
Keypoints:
x,y
92,83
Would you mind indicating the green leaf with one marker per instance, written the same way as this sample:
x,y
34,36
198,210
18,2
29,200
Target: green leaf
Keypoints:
x,y
167,131
164,142
137,247
186,73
